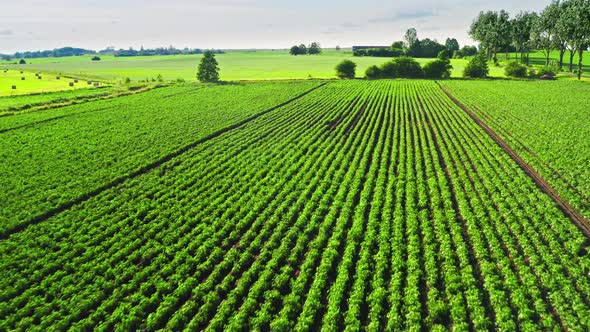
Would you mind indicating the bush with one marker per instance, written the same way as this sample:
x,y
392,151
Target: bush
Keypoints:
x,y
408,68
477,67
515,69
438,69
346,69
443,55
373,72
22,62
547,70
95,58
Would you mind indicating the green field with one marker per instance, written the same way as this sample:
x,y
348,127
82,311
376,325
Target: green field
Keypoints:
x,y
303,205
12,104
33,84
262,65
545,122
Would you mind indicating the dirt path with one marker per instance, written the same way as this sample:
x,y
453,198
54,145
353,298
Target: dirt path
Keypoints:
x,y
563,205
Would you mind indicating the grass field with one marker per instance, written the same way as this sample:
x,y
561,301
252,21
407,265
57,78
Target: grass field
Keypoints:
x,y
263,65
33,84
310,205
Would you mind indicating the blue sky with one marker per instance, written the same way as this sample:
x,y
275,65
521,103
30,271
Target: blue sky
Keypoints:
x,y
47,24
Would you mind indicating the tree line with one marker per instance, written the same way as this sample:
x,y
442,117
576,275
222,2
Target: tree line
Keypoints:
x,y
561,26
414,47
313,48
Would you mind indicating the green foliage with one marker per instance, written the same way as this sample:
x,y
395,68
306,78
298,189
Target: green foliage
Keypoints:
x,y
444,55
438,69
346,69
402,67
373,72
95,58
22,62
359,205
208,68
515,69
314,48
477,67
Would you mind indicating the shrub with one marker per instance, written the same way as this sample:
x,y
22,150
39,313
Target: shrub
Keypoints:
x,y
22,62
373,72
547,70
389,69
95,58
515,69
477,67
408,68
443,55
346,69
438,69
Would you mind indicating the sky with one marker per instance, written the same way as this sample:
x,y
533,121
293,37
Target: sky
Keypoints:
x,y
29,25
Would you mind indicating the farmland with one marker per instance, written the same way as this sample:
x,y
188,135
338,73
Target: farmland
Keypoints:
x,y
375,205
234,65
34,84
546,122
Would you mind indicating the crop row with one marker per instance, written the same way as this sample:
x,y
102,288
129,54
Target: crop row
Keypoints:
x,y
544,123
48,162
364,205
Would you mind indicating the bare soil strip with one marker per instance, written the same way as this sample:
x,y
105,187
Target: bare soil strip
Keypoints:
x,y
145,169
545,187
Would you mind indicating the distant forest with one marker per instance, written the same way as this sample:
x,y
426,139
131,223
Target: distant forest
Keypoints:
x,y
73,51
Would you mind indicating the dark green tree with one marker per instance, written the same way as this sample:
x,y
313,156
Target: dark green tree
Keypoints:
x,y
208,68
314,48
346,69
452,45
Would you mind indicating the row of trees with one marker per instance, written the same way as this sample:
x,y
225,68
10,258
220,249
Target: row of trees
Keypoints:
x,y
401,67
313,48
56,53
155,51
414,47
562,26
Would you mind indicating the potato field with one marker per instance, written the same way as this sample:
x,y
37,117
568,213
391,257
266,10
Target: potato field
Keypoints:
x,y
313,205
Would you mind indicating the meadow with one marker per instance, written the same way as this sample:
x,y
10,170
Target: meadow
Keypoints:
x,y
33,84
234,65
296,205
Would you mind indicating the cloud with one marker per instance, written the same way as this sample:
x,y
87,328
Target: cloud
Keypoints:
x,y
404,15
6,32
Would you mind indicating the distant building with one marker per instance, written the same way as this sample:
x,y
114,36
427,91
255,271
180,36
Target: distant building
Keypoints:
x,y
354,48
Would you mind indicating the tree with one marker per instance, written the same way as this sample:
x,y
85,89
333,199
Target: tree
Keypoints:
x,y
544,30
477,67
346,69
208,68
492,30
452,45
578,12
314,48
337,47
302,49
398,45
522,26
294,50
22,62
410,40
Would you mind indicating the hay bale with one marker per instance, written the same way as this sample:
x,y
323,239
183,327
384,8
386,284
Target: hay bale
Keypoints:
x,y
75,81
22,78
89,82
71,83
14,87
57,77
96,84
39,77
